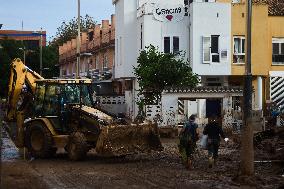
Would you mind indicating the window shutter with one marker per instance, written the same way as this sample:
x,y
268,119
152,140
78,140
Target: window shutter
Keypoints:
x,y
206,45
167,44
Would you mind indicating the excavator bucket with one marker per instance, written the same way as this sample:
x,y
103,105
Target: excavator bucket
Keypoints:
x,y
119,140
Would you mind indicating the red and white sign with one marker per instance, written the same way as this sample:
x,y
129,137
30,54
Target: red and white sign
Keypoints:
x,y
169,13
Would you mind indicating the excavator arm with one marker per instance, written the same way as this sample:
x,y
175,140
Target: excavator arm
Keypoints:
x,y
20,75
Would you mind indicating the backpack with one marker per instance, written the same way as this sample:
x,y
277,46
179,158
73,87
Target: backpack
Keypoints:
x,y
186,137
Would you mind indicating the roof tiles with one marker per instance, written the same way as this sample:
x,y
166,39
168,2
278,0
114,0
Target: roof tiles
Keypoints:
x,y
275,7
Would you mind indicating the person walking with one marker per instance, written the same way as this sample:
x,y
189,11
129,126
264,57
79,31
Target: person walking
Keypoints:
x,y
188,138
214,131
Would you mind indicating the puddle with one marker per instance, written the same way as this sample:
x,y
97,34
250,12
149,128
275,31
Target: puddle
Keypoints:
x,y
9,152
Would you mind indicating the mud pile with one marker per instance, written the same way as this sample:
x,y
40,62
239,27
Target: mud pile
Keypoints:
x,y
118,140
269,145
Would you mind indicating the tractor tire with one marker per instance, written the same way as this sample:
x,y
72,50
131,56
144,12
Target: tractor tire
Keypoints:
x,y
77,146
39,140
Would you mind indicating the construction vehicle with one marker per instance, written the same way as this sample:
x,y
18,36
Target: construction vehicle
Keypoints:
x,y
60,113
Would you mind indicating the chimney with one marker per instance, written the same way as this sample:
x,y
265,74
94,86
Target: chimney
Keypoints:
x,y
73,43
67,46
84,36
105,24
105,31
97,34
61,49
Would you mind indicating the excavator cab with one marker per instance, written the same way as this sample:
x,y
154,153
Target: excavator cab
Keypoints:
x,y
56,99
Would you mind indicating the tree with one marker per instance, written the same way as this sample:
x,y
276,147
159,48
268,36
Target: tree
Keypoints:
x,y
68,30
157,70
9,50
49,61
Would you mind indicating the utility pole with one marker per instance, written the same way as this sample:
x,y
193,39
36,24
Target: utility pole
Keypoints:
x,y
40,53
78,44
247,151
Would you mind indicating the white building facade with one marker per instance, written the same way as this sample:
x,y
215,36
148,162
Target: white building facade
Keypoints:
x,y
174,25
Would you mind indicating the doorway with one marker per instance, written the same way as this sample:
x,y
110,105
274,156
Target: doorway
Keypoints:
x,y
213,107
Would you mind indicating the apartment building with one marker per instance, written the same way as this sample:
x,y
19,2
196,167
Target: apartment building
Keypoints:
x,y
96,57
31,39
267,53
212,35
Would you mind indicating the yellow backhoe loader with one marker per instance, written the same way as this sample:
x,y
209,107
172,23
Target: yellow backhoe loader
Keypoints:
x,y
60,113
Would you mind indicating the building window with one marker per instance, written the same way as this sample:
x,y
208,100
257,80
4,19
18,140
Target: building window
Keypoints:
x,y
206,49
236,103
91,36
186,6
215,48
239,50
277,51
91,63
97,62
175,45
167,44
211,49
105,62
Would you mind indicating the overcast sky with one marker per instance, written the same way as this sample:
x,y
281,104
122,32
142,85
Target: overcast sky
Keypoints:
x,y
49,14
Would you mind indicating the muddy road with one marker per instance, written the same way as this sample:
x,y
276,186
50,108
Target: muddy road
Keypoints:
x,y
155,170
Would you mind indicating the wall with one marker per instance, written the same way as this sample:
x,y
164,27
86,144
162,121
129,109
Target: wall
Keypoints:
x,y
276,29
169,109
100,44
260,38
113,104
128,30
126,39
154,31
169,106
218,15
23,35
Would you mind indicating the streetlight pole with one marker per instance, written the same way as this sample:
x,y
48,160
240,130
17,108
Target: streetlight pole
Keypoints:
x,y
40,53
78,44
247,151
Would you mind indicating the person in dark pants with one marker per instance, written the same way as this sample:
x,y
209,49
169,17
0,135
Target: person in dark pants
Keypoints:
x,y
214,131
188,138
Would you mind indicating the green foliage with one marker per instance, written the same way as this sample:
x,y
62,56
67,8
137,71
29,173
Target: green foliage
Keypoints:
x,y
9,50
50,59
68,30
141,113
157,70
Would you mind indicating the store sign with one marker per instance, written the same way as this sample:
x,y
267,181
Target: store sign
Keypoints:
x,y
169,13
